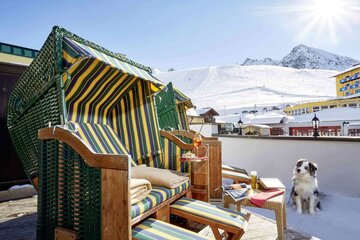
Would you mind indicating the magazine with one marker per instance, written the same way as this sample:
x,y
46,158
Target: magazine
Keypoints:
x,y
271,183
238,194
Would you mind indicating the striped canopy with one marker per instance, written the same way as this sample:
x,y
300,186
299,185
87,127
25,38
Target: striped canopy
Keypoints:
x,y
99,89
74,51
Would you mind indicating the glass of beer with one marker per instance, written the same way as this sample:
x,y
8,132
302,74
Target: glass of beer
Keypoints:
x,y
197,142
253,175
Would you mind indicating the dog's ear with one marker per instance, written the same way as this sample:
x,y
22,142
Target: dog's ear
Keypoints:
x,y
313,168
299,162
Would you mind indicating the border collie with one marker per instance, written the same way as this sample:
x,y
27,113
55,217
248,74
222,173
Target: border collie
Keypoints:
x,y
304,193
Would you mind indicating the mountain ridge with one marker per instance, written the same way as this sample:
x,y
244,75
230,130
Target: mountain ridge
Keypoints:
x,y
305,57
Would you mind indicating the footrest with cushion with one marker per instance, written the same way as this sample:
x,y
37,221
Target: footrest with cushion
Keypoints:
x,y
159,230
232,222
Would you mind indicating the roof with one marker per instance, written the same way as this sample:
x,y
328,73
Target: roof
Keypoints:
x,y
18,50
332,114
256,126
269,118
208,110
347,70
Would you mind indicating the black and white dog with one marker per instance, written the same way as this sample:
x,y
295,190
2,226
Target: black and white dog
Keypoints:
x,y
304,193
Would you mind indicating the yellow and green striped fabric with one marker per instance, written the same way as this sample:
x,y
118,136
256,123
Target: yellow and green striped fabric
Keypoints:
x,y
73,50
153,229
212,212
156,196
101,138
172,155
134,118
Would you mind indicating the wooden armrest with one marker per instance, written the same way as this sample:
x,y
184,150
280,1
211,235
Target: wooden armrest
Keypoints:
x,y
202,136
96,160
176,140
183,133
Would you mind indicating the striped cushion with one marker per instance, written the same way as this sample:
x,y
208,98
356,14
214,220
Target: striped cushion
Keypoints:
x,y
156,196
159,230
100,137
212,212
172,154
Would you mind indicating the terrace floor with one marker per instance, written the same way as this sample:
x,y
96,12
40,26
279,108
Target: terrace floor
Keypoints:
x,y
18,221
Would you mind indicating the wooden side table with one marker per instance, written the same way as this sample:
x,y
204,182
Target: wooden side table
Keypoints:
x,y
276,204
199,177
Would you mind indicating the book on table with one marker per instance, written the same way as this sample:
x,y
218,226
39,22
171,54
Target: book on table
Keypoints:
x,y
271,183
238,194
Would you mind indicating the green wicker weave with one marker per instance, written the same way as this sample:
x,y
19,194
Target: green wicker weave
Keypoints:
x,y
171,106
37,99
69,190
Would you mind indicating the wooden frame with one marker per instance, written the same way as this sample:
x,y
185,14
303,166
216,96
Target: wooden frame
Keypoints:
x,y
231,231
116,219
215,160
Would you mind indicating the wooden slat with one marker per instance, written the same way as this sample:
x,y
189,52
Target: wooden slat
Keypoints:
x,y
35,182
176,140
115,204
109,161
65,234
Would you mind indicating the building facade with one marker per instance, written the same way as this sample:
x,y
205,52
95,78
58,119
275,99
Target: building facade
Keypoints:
x,y
13,62
348,82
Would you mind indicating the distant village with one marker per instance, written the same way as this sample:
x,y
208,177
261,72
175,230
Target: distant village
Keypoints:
x,y
338,116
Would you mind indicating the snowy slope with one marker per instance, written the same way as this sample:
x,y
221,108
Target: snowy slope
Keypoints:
x,y
304,57
244,86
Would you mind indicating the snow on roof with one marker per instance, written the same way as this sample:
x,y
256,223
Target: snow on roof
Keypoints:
x,y
256,126
191,112
347,70
333,114
269,118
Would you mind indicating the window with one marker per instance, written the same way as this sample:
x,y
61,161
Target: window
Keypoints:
x,y
347,93
332,106
5,49
316,109
357,91
324,107
17,51
307,110
303,111
344,105
352,105
28,53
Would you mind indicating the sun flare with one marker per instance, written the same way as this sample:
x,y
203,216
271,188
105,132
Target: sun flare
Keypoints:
x,y
320,18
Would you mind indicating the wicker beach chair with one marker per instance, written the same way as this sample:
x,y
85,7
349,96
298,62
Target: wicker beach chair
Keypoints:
x,y
95,115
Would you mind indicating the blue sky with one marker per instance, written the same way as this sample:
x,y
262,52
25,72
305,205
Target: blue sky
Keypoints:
x,y
178,34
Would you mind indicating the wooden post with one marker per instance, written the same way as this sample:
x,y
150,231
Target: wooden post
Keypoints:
x,y
115,204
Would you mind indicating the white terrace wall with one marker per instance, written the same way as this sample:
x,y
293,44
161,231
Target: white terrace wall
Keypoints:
x,y
338,160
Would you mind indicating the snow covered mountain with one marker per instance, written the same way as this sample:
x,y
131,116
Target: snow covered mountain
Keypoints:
x,y
240,87
304,57
265,61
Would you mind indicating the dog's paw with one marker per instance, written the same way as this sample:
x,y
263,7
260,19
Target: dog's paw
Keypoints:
x,y
299,211
312,212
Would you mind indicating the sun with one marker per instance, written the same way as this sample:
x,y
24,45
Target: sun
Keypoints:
x,y
328,19
328,8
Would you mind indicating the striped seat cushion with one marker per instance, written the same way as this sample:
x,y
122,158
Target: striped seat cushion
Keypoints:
x,y
159,230
211,212
100,137
156,196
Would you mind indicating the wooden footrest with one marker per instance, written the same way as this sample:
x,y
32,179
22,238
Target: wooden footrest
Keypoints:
x,y
232,222
156,229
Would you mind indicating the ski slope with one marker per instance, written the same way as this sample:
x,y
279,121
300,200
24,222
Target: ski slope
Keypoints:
x,y
238,87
